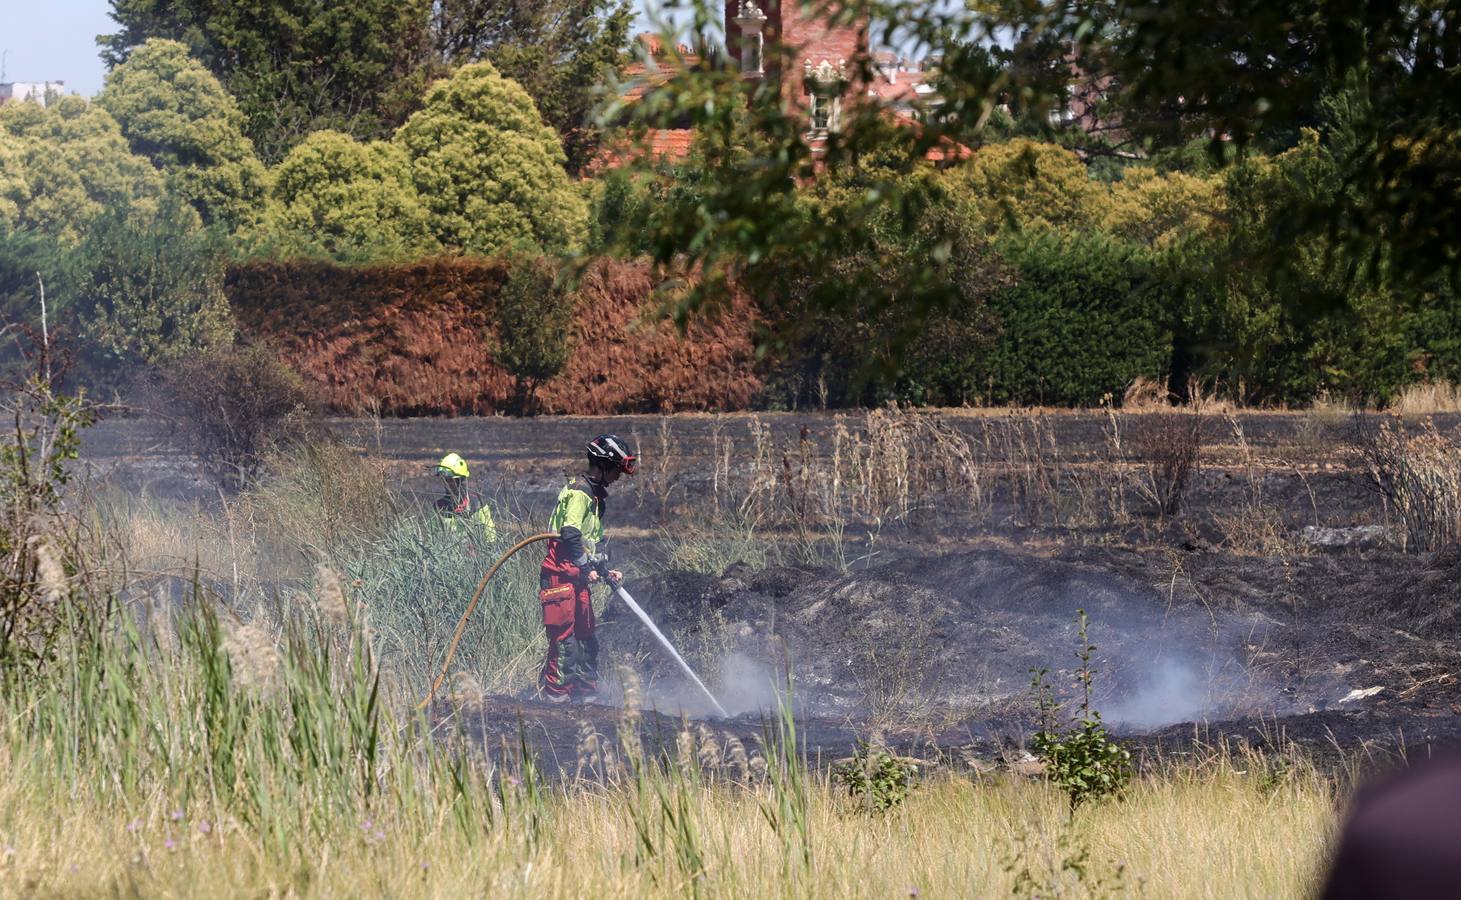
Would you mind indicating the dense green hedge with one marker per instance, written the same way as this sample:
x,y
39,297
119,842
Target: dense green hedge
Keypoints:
x,y
1084,319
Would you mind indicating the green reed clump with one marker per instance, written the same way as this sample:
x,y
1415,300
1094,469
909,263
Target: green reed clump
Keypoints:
x,y
415,582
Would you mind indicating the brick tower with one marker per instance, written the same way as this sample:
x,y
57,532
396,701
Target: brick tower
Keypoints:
x,y
819,57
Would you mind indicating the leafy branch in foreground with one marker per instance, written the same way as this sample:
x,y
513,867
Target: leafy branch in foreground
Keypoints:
x,y
1178,71
39,550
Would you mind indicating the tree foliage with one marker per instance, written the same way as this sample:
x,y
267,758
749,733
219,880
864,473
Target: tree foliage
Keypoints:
x,y
1084,319
488,169
337,197
67,164
14,191
1228,71
1289,333
294,66
1157,209
174,112
560,51
146,286
1025,184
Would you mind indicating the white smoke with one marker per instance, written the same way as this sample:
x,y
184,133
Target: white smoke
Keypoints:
x,y
1169,691
743,685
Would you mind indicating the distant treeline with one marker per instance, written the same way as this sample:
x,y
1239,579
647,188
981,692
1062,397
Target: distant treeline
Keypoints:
x,y
448,262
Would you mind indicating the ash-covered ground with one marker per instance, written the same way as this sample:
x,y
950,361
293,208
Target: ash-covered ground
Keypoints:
x,y
1314,630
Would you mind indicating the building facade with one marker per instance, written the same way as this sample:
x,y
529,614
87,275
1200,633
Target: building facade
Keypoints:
x,y
810,58
37,91
818,65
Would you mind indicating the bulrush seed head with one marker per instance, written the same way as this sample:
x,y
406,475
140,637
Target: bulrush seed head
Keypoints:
x,y
50,574
466,690
254,654
735,753
330,596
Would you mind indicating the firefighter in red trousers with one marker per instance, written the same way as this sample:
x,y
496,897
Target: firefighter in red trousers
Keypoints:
x,y
574,562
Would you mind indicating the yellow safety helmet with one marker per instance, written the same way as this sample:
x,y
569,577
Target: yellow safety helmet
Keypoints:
x,y
452,466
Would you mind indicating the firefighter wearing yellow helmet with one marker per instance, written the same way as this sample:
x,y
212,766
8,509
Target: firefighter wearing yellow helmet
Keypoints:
x,y
459,509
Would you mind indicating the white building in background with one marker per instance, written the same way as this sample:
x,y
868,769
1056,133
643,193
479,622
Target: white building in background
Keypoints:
x,y
30,90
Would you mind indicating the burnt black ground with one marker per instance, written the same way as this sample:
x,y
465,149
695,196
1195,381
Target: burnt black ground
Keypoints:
x,y
932,641
1238,651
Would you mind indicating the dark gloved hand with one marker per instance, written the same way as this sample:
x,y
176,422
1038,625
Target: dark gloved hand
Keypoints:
x,y
598,562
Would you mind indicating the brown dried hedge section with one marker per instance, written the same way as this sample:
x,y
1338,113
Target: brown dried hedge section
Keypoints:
x,y
413,338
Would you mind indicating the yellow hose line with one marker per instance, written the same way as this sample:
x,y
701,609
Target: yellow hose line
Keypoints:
x,y
477,595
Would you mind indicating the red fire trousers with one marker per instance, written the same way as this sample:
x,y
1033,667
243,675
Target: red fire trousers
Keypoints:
x,y
571,666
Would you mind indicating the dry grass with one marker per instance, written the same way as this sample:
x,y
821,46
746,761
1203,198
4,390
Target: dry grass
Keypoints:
x,y
1418,472
1256,527
1211,835
1426,398
1145,394
1167,445
854,474
319,500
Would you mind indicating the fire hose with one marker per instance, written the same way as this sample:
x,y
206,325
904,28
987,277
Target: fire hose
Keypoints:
x,y
456,638
617,587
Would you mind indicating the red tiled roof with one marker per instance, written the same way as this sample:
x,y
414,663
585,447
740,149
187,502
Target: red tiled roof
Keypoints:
x,y
639,79
904,88
662,144
671,143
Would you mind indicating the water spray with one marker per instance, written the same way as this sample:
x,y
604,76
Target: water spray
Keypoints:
x,y
603,571
664,641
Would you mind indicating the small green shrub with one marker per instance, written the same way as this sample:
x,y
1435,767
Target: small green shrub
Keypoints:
x,y
533,319
876,779
1082,760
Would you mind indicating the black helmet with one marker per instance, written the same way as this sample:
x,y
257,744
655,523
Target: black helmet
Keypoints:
x,y
610,451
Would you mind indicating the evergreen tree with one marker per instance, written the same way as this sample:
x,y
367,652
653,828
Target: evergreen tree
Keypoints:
x,y
294,66
488,169
67,164
338,197
560,51
174,112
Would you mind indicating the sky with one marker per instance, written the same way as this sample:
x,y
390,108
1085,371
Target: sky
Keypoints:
x,y
55,40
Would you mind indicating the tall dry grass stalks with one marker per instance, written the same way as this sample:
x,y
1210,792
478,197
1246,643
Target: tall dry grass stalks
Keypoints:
x,y
1418,473
1426,398
1167,445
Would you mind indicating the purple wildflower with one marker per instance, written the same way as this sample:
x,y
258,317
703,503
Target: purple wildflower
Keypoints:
x,y
170,844
133,825
177,815
205,826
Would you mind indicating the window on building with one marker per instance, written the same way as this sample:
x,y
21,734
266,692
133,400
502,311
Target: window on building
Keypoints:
x,y
821,113
751,55
824,113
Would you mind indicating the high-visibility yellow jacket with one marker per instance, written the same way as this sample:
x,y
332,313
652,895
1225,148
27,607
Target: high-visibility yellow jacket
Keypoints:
x,y
470,517
578,519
